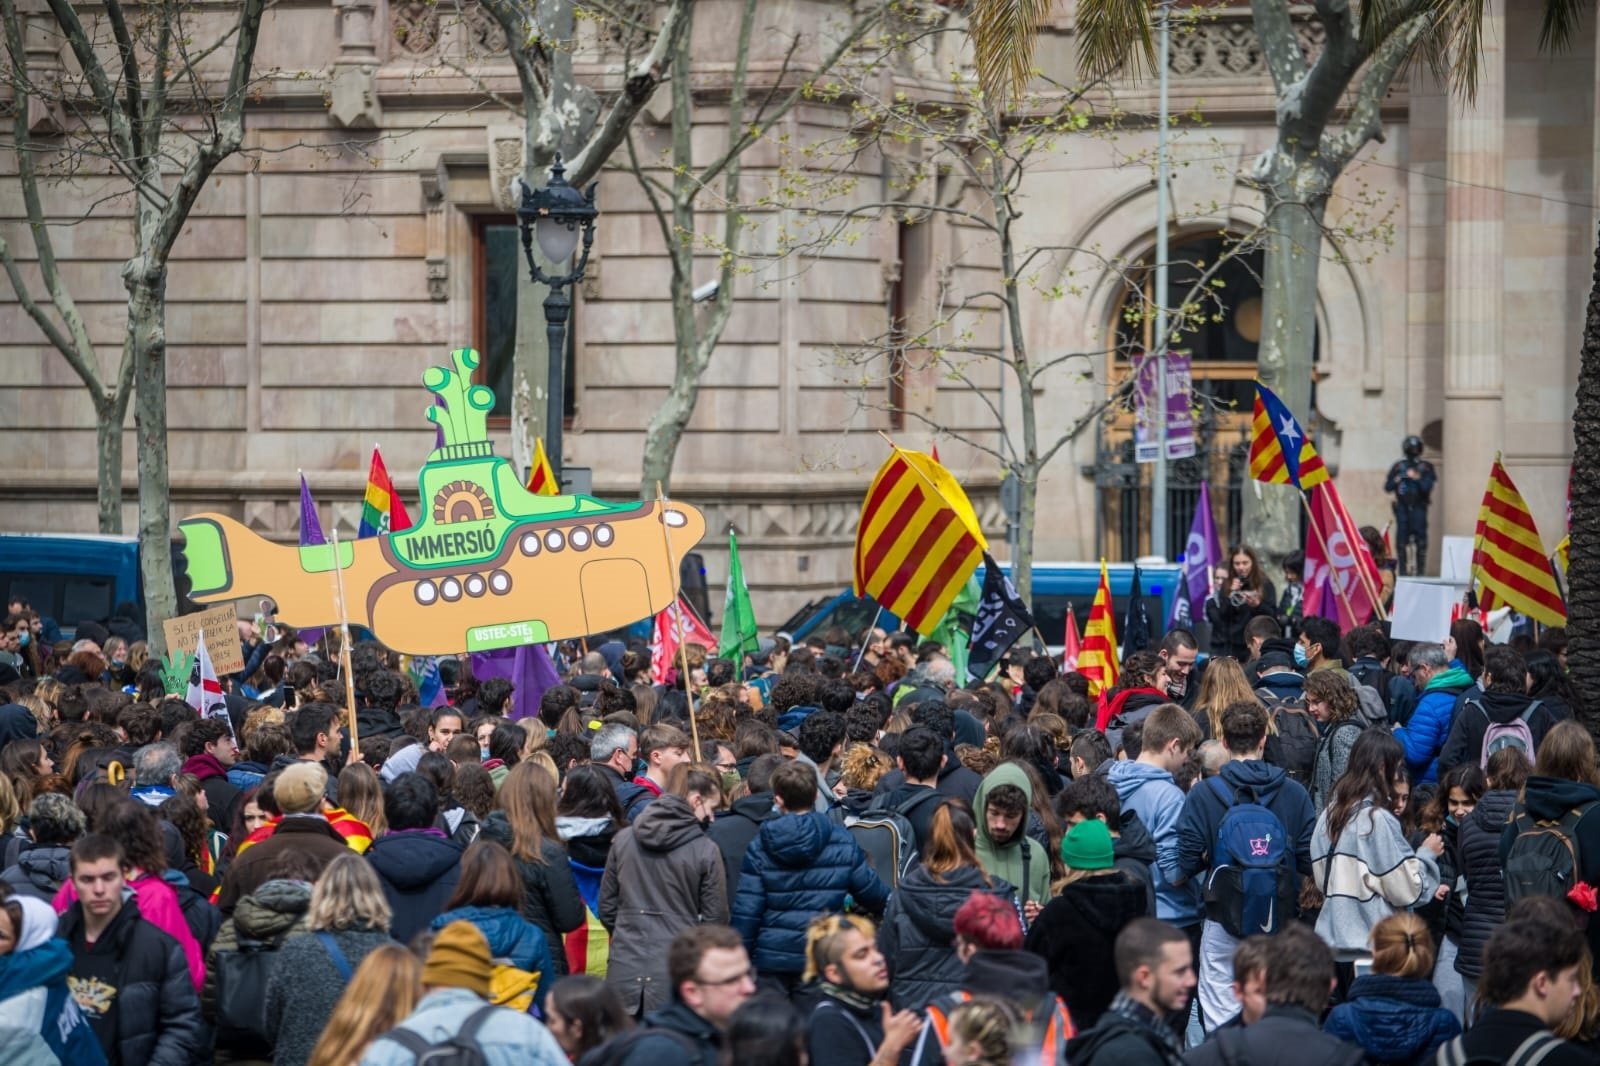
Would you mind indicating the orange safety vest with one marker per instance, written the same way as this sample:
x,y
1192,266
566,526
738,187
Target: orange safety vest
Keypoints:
x,y
1053,1040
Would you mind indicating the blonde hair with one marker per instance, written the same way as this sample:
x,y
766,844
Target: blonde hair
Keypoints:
x,y
361,794
40,710
10,809
384,990
1583,1021
863,766
543,761
255,720
1224,683
348,896
1402,946
987,1024
823,936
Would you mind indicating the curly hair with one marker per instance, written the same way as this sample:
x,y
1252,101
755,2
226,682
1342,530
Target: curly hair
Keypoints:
x,y
863,766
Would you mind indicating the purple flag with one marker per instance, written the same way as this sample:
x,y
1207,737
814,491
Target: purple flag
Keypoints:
x,y
310,524
1201,554
527,667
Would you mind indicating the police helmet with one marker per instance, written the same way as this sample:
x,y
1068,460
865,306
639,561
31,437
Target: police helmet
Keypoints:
x,y
1412,446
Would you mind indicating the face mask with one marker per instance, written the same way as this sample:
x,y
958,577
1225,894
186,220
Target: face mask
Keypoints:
x,y
639,767
730,781
1300,659
483,754
24,639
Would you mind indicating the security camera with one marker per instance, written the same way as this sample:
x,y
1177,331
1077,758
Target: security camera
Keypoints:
x,y
708,291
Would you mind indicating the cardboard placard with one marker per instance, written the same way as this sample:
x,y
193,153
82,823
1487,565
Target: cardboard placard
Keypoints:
x,y
1422,609
221,625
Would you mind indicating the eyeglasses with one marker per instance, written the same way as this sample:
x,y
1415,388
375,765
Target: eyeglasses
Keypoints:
x,y
726,981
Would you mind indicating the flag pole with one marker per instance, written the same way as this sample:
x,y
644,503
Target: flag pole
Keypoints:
x,y
1361,572
344,646
1338,586
862,653
677,622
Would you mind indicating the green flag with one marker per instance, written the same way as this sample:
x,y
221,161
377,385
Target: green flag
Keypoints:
x,y
954,630
738,618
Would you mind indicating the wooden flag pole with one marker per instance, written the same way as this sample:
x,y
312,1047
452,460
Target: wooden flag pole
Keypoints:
x,y
1328,555
677,623
344,647
1361,571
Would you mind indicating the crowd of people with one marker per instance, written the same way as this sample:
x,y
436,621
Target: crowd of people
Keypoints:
x,y
1308,845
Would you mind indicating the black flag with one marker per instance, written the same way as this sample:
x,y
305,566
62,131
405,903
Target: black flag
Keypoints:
x,y
1136,626
1002,620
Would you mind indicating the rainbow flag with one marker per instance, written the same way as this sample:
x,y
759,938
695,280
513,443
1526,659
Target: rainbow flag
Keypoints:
x,y
1280,451
382,510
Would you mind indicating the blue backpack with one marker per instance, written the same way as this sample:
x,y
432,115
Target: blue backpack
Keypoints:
x,y
1252,887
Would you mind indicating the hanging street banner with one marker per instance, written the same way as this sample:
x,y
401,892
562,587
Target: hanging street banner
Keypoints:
x,y
1180,412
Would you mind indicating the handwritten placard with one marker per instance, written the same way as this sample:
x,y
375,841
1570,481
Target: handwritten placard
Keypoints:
x,y
221,626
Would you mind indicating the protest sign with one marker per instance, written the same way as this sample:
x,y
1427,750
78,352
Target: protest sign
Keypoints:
x,y
1422,609
220,625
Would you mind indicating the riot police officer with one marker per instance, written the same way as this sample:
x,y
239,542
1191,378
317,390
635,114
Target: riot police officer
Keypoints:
x,y
1411,482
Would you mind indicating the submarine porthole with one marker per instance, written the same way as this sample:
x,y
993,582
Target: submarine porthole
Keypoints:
x,y
450,589
476,586
674,518
530,544
603,535
426,593
553,540
500,582
579,539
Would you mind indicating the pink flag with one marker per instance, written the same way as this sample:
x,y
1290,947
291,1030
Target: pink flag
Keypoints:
x,y
1335,588
1071,643
664,640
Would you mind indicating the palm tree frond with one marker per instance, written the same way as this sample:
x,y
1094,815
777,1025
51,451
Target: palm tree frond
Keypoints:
x,y
1112,32
1561,18
1005,35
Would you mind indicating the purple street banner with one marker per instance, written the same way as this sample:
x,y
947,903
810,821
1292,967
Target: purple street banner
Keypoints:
x,y
1180,414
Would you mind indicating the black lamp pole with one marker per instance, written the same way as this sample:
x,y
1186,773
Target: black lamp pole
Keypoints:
x,y
557,215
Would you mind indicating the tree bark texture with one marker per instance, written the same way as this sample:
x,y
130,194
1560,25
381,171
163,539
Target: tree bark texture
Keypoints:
x,y
110,413
147,340
1583,576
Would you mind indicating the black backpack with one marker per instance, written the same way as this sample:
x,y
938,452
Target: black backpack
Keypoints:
x,y
1375,677
1531,1052
241,999
462,1049
885,837
1293,748
1543,859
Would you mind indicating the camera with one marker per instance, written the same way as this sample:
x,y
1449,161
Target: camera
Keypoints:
x,y
1237,598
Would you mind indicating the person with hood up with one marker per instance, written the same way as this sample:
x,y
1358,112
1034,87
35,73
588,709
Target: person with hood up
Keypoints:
x,y
800,865
524,821
1504,700
1440,685
39,1020
736,827
1146,786
1394,1012
917,934
663,875
1077,930
1156,972
1245,778
488,895
416,863
1004,801
45,860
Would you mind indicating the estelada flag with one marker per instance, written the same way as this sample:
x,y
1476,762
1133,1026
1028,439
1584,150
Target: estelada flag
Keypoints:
x,y
541,477
381,508
1508,559
664,638
918,540
1097,659
1280,451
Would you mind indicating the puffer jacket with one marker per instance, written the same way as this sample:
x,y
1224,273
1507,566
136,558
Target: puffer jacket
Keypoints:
x,y
40,871
1479,850
268,916
1075,935
1547,799
1475,713
418,869
1425,732
512,939
798,866
1398,1020
550,896
662,876
917,937
736,827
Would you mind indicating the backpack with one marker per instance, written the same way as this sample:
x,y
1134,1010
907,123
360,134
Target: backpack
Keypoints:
x,y
1531,1052
241,999
1543,859
462,1049
1252,887
1516,733
1375,677
1043,1030
1293,748
885,837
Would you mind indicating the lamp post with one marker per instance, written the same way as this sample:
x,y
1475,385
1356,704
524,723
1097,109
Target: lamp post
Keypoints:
x,y
556,216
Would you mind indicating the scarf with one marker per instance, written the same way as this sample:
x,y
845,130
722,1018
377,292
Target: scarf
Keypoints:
x,y
204,766
1139,1014
849,997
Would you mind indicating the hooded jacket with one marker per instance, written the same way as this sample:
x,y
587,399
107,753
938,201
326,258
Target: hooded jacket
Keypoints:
x,y
1547,799
268,917
1208,803
39,1019
1400,1021
1126,708
310,834
1021,861
798,866
663,875
1149,792
735,828
1426,731
1075,935
1116,1040
40,871
418,869
1133,852
917,934
1475,713
1286,1035
1478,849
1367,874
512,939
550,898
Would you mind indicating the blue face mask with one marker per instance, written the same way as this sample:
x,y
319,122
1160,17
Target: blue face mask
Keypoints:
x,y
483,754
1300,659
24,639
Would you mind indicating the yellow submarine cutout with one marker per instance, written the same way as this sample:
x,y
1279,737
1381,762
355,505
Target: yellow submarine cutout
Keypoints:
x,y
489,564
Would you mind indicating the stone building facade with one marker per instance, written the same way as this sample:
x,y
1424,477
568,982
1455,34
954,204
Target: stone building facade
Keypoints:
x,y
329,264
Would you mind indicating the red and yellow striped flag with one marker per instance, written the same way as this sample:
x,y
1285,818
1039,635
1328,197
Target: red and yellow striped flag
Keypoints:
x,y
1097,658
541,478
918,540
1508,559
1280,451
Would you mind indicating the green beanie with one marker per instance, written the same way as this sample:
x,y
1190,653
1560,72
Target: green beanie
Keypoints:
x,y
1087,846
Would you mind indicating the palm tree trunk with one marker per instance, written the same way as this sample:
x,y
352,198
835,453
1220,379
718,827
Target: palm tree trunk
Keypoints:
x,y
1583,578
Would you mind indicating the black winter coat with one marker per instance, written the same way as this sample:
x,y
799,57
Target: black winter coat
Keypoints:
x,y
735,828
1118,1041
135,989
954,779
1285,1036
1548,799
1075,934
1133,850
550,897
1476,711
1478,847
1228,621
418,869
917,935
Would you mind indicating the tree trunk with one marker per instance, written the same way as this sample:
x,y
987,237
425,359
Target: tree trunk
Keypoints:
x,y
530,372
1027,507
665,432
1288,339
1583,578
147,337
110,413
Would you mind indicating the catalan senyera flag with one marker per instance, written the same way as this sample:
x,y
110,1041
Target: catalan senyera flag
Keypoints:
x,y
381,508
1508,559
1097,657
541,476
1280,451
918,540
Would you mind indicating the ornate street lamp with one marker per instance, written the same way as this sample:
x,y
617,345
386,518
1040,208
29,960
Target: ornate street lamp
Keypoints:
x,y
556,216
